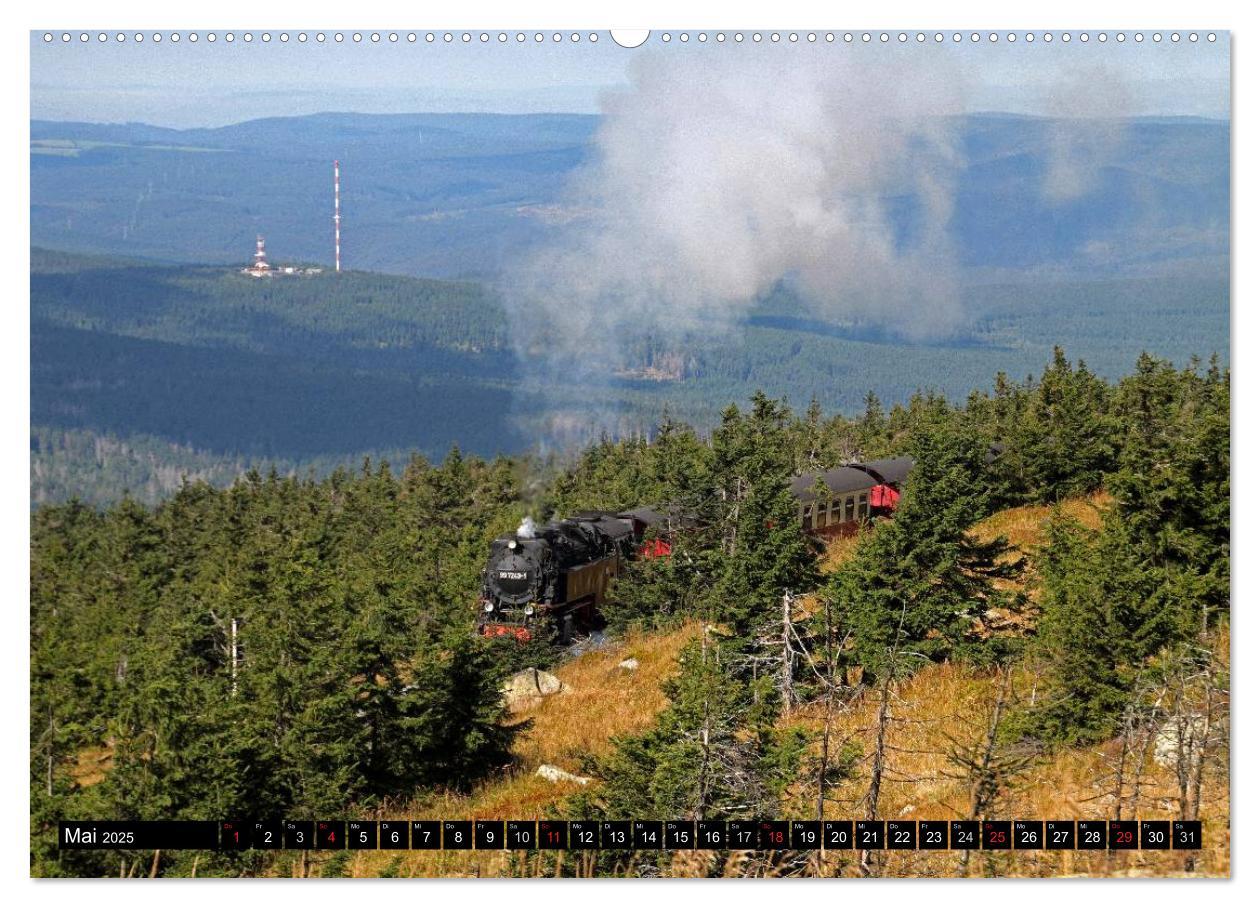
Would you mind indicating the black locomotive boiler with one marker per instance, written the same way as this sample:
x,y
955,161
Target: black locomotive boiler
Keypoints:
x,y
559,571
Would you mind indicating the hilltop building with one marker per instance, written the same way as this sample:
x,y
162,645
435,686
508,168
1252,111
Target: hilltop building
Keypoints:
x,y
262,268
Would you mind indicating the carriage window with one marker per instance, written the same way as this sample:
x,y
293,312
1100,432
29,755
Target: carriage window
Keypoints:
x,y
848,509
807,519
820,515
862,508
835,511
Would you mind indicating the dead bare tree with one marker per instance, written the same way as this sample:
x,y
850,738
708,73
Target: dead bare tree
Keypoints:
x,y
882,719
786,672
1192,732
982,761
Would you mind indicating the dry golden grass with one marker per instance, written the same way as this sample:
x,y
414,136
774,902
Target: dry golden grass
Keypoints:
x,y
937,711
1025,527
838,550
945,707
600,701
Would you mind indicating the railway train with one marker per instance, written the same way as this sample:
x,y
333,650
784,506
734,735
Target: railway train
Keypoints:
x,y
839,501
561,571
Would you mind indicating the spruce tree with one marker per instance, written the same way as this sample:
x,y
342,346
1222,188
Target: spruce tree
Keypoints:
x,y
1082,635
713,751
766,554
921,582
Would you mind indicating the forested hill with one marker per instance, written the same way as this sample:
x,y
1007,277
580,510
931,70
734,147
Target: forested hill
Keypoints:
x,y
139,369
142,372
358,690
215,306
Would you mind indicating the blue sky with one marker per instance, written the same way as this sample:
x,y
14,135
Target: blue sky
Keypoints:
x,y
204,84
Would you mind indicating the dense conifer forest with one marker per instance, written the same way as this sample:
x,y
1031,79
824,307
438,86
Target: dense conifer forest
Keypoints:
x,y
302,646
143,373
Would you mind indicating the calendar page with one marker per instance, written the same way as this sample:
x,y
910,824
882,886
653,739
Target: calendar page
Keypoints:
x,y
577,453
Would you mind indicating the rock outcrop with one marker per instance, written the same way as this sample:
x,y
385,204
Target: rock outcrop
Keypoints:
x,y
530,686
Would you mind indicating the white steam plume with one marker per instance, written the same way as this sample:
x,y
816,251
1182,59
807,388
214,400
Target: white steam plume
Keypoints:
x,y
721,175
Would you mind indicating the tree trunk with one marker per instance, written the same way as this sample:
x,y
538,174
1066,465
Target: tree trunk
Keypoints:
x,y
877,762
785,675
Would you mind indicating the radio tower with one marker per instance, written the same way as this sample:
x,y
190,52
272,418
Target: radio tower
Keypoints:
x,y
337,214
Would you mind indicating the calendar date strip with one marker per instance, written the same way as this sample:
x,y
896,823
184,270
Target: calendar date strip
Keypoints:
x,y
634,835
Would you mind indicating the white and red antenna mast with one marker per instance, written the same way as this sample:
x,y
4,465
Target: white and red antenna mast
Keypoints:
x,y
337,214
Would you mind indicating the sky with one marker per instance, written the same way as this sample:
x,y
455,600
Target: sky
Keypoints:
x,y
207,84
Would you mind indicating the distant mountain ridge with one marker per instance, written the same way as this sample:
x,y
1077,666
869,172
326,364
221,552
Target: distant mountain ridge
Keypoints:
x,y
464,195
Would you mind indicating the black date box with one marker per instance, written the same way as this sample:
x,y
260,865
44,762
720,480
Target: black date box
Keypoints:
x,y
488,835
1060,834
1091,835
299,834
234,836
868,834
680,835
899,834
522,835
267,834
553,834
1029,834
933,834
1155,834
772,834
393,834
837,834
361,834
426,835
806,834
964,834
330,834
995,834
648,834
457,835
1122,834
1187,834
741,835
583,834
711,834
616,834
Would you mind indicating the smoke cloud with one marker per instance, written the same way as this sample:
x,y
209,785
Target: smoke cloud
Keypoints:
x,y
722,175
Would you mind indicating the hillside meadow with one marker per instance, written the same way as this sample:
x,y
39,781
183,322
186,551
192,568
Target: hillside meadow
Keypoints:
x,y
937,712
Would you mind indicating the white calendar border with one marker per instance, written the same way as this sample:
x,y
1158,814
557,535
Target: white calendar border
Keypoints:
x,y
1205,15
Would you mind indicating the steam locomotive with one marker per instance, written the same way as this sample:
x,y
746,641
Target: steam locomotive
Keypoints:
x,y
561,571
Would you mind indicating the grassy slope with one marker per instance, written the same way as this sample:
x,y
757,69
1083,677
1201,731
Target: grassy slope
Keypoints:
x,y
942,708
600,701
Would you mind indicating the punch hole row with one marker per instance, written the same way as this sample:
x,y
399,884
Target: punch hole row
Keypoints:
x,y
334,37
937,37
593,37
